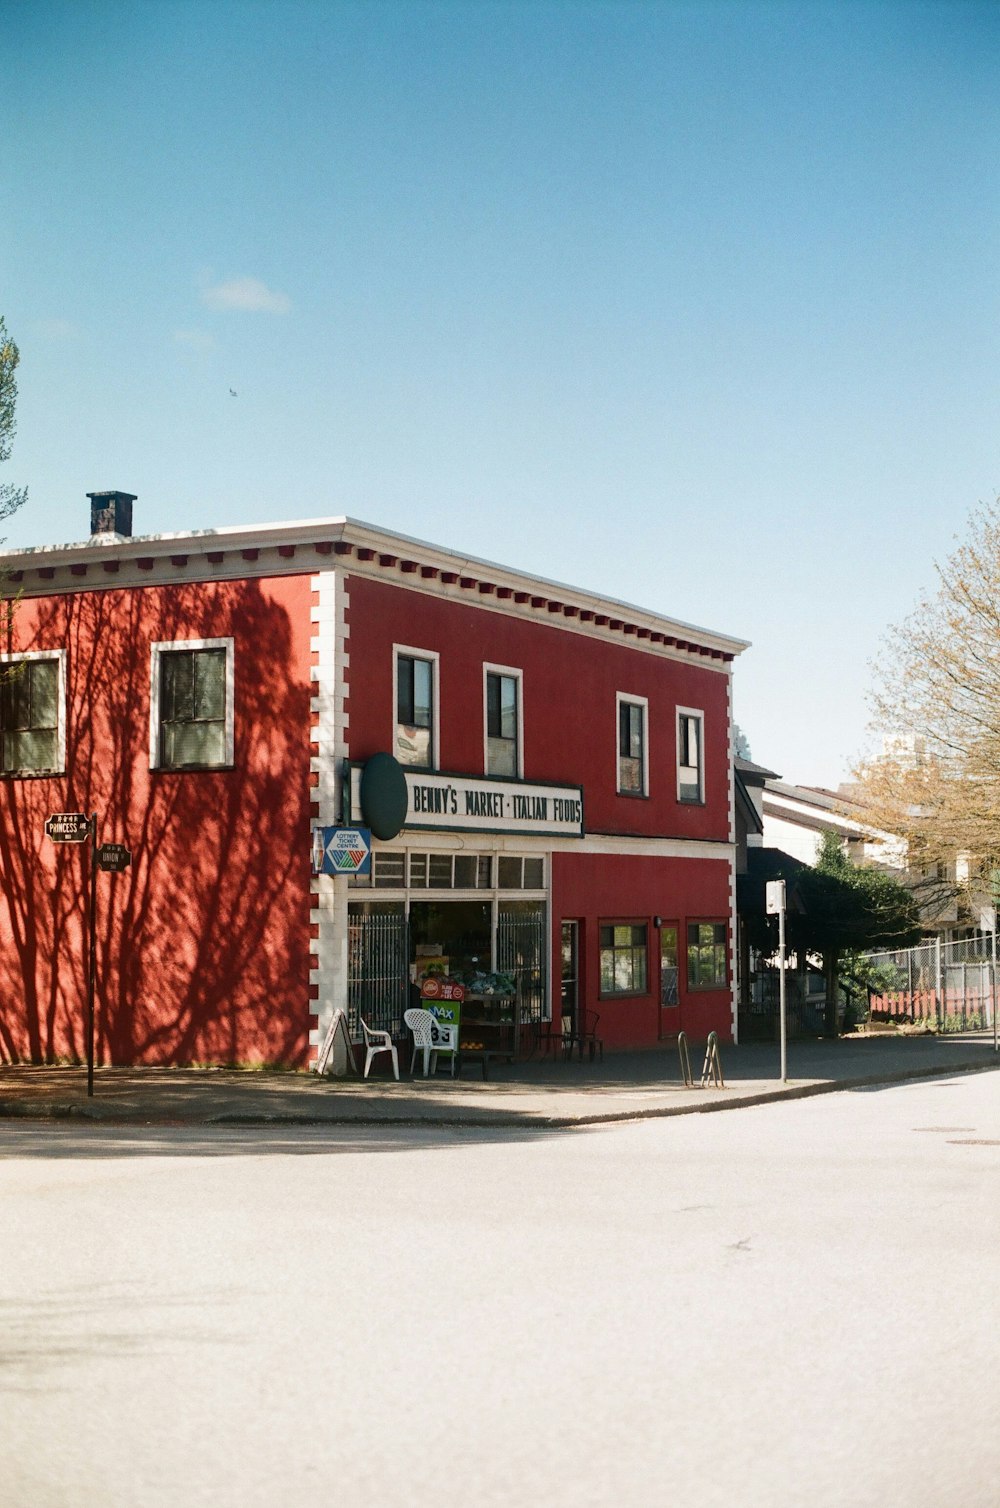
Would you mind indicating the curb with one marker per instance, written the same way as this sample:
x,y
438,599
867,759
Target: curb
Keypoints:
x,y
486,1119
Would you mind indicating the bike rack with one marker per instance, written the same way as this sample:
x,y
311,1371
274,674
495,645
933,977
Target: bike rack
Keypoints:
x,y
685,1057
712,1070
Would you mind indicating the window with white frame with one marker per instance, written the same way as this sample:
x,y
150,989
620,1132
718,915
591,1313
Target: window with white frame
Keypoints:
x,y
690,755
191,706
33,712
416,708
632,745
503,721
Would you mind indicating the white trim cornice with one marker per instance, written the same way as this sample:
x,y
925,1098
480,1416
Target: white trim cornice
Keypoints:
x,y
108,561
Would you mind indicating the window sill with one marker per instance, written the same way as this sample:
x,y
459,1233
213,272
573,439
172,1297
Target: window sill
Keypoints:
x,y
690,801
189,769
635,795
626,995
31,774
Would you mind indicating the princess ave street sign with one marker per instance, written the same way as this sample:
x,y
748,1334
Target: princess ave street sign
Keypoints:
x,y
68,827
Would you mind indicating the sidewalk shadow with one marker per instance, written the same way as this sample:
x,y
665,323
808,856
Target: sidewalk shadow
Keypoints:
x,y
32,1139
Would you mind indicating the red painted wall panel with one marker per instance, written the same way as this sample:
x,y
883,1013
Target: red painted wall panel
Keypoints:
x,y
596,888
203,951
569,686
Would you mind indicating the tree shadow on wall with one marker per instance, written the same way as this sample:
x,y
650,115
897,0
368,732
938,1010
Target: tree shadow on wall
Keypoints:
x,y
203,944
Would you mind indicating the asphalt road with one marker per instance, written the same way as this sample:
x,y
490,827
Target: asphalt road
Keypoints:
x,y
788,1304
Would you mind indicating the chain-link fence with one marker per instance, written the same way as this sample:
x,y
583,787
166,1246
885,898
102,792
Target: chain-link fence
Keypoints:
x,y
952,985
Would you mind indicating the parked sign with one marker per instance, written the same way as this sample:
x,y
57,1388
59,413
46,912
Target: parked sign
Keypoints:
x,y
68,827
436,989
444,1000
115,858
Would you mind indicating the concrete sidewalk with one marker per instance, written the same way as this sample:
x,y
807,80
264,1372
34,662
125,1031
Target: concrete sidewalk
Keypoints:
x,y
537,1093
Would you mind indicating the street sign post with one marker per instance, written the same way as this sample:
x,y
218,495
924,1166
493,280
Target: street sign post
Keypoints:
x,y
775,906
113,858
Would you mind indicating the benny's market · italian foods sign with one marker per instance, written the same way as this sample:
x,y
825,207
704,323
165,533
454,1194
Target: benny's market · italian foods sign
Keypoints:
x,y
459,801
464,803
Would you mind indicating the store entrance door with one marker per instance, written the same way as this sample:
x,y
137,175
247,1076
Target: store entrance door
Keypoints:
x,y
670,1012
570,990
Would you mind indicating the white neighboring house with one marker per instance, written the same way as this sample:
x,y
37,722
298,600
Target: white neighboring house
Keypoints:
x,y
796,816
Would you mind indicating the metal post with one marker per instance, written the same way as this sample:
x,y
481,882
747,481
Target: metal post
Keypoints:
x,y
774,902
781,996
909,984
937,981
92,959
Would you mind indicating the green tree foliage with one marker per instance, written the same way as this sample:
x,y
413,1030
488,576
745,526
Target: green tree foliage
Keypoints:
x,y
848,909
11,498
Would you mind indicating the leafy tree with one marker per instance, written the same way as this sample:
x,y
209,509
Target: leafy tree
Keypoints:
x,y
848,909
936,711
11,498
741,744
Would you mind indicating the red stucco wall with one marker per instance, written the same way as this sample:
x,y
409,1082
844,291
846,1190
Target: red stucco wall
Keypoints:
x,y
599,888
203,951
570,717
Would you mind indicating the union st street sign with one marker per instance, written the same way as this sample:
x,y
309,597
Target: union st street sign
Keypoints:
x,y
114,858
67,827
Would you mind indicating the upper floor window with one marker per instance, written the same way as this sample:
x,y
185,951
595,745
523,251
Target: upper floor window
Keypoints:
x,y
191,708
632,753
32,713
690,755
503,722
415,709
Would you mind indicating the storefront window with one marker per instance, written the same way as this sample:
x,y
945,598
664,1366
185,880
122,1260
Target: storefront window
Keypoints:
x,y
393,869
706,955
623,959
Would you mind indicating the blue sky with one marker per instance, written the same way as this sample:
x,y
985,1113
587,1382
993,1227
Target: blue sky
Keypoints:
x,y
694,304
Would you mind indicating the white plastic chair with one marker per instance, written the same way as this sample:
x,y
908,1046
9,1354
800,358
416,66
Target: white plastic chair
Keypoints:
x,y
376,1042
431,1037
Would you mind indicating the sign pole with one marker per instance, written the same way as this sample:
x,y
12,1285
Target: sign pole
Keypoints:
x,y
92,956
115,858
781,992
993,981
774,901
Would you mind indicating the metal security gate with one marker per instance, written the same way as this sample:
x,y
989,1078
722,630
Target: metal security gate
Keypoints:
x,y
378,971
521,952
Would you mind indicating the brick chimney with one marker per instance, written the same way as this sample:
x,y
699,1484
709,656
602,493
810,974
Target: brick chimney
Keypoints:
x,y
111,512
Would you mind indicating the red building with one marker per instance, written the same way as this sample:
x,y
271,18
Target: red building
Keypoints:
x,y
214,696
